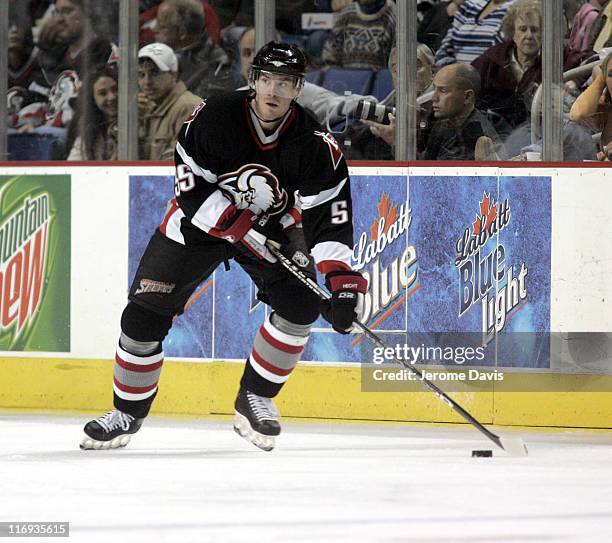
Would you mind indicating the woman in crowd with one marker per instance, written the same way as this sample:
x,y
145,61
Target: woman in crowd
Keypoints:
x,y
93,131
512,70
593,108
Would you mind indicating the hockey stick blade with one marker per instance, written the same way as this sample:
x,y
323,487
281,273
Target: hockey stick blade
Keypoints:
x,y
512,445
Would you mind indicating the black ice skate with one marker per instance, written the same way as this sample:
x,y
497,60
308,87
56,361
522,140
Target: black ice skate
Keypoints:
x,y
256,419
110,431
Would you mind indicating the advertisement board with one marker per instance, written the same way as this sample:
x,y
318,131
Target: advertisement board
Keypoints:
x,y
35,263
451,261
512,257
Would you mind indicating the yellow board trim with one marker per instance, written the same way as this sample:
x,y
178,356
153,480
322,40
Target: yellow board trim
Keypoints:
x,y
318,391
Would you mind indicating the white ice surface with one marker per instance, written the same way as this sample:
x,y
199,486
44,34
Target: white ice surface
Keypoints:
x,y
197,481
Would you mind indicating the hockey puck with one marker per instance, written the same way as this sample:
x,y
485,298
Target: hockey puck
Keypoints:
x,y
482,454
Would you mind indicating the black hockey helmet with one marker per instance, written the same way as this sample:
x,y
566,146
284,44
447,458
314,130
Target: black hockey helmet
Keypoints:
x,y
279,58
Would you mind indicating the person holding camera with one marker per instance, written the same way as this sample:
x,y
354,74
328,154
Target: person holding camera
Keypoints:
x,y
593,108
375,137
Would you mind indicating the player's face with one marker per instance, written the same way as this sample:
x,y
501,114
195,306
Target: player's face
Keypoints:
x,y
154,83
105,96
274,94
71,20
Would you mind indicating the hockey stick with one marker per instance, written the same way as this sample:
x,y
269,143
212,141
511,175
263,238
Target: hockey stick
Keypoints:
x,y
512,445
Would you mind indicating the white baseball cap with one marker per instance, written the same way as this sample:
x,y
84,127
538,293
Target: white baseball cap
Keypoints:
x,y
162,55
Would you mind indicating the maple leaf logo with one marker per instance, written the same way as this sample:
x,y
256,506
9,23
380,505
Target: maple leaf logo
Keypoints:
x,y
488,212
384,212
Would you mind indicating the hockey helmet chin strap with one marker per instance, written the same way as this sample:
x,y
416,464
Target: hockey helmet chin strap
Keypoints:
x,y
271,120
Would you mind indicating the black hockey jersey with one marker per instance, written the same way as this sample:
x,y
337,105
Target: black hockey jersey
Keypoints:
x,y
222,142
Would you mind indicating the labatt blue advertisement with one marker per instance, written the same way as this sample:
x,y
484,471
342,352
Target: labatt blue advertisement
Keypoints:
x,y
449,260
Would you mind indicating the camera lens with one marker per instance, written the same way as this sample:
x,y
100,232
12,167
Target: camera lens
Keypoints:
x,y
371,111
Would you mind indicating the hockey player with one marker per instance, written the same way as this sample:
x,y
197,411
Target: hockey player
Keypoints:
x,y
252,168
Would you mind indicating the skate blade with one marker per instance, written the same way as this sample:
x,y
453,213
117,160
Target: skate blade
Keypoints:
x,y
243,429
88,443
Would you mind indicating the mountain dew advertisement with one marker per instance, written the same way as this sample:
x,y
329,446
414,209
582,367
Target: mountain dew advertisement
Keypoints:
x,y
35,263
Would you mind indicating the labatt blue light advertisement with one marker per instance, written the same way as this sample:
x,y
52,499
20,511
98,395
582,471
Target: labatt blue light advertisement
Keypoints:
x,y
448,260
484,262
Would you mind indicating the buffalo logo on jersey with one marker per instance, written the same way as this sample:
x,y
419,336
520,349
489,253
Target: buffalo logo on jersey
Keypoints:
x,y
334,148
254,184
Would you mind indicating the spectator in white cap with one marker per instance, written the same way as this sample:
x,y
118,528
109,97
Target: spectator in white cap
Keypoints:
x,y
163,101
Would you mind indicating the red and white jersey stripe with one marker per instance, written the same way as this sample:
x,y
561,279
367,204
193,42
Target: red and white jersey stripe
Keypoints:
x,y
314,200
331,256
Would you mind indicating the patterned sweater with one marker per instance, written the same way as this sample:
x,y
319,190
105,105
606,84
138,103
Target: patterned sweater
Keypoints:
x,y
361,40
468,38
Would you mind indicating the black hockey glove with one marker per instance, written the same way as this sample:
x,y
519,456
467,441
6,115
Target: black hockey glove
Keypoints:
x,y
346,303
295,249
290,242
286,236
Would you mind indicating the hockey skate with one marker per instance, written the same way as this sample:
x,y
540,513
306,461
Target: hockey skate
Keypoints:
x,y
256,419
110,431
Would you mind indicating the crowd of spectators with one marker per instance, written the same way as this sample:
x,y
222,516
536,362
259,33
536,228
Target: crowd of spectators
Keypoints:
x,y
479,66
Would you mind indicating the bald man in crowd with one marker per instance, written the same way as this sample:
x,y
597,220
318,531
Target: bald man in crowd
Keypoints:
x,y
459,125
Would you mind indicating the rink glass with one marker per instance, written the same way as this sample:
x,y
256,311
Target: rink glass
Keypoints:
x,y
302,23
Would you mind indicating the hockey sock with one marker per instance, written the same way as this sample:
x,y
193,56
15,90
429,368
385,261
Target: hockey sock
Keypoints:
x,y
138,365
276,351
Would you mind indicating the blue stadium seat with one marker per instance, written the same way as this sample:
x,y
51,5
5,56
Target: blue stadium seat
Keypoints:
x,y
314,77
295,39
340,80
383,84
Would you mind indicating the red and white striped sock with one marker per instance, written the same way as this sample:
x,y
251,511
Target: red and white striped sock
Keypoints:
x,y
136,377
274,356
